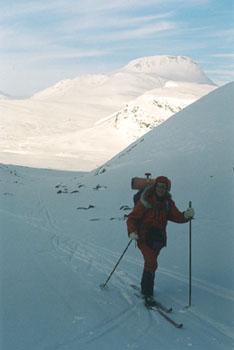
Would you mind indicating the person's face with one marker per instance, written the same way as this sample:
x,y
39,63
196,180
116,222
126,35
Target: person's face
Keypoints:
x,y
160,189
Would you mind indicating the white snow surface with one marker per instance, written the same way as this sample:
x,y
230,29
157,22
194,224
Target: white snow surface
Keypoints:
x,y
153,108
63,232
64,126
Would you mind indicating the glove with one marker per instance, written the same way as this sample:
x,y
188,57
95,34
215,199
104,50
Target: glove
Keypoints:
x,y
133,235
189,213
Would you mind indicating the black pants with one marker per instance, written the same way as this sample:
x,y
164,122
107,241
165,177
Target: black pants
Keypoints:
x,y
150,266
147,283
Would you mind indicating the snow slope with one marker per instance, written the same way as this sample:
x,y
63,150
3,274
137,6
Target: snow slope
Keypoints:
x,y
153,108
57,127
63,232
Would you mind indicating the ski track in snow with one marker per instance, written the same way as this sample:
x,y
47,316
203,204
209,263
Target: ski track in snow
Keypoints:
x,y
96,252
100,259
211,288
49,221
115,322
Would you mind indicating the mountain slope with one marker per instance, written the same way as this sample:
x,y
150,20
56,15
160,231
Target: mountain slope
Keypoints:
x,y
63,232
154,107
93,146
57,127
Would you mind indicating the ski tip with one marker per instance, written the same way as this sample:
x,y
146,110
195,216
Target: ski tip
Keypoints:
x,y
180,325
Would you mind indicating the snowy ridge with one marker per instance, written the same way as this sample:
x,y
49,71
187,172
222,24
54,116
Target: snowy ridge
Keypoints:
x,y
196,112
154,107
69,86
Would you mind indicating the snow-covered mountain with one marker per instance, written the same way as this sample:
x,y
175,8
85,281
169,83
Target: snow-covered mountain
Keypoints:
x,y
153,108
80,123
128,82
63,232
178,68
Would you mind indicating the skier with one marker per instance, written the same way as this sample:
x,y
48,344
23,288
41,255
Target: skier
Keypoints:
x,y
147,225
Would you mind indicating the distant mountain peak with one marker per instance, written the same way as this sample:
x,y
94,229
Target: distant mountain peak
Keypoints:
x,y
152,63
136,77
179,68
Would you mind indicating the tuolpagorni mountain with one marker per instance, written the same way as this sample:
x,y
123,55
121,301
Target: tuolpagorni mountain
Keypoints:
x,y
80,123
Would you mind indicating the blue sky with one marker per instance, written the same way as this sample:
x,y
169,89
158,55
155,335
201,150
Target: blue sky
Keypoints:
x,y
42,42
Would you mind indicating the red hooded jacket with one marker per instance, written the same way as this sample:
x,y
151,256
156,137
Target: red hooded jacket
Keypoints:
x,y
152,212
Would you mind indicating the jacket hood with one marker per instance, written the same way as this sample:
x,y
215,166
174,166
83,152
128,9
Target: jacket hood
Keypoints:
x,y
148,197
164,180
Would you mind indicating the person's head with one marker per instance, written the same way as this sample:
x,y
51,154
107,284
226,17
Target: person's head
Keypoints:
x,y
162,186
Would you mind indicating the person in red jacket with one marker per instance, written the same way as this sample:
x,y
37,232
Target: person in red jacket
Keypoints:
x,y
147,225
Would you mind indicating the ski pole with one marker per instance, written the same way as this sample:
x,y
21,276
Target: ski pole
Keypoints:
x,y
190,259
103,285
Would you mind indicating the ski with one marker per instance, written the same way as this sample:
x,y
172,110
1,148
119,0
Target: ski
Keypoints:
x,y
163,314
159,307
157,303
